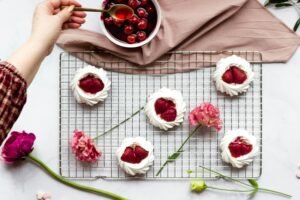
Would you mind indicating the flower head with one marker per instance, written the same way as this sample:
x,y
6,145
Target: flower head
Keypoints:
x,y
206,115
198,186
84,148
18,146
43,196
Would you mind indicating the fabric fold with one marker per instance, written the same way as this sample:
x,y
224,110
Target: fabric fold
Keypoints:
x,y
199,25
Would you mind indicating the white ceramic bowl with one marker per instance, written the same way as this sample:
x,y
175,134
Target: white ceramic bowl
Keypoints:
x,y
139,44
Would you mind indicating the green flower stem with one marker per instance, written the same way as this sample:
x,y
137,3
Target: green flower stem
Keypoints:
x,y
229,190
225,177
243,183
116,126
73,184
175,155
274,192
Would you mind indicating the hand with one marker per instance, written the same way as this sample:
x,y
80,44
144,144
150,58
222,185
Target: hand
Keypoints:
x,y
49,20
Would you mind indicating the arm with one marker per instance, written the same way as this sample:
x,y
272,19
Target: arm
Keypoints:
x,y
48,21
20,68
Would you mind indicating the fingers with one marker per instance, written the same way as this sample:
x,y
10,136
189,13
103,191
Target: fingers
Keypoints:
x,y
79,14
66,13
77,20
58,3
71,25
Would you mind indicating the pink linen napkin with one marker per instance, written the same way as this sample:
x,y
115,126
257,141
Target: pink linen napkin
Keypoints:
x,y
199,25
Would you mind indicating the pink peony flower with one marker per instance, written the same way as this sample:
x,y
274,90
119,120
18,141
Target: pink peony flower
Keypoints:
x,y
84,148
18,146
206,115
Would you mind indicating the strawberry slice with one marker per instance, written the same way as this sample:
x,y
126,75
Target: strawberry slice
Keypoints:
x,y
170,115
141,153
162,105
227,77
238,75
134,154
239,147
234,75
91,84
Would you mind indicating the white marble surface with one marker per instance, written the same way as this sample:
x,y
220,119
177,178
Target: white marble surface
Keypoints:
x,y
280,136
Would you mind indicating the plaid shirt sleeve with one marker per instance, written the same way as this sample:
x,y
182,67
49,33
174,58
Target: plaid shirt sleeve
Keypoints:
x,y
12,97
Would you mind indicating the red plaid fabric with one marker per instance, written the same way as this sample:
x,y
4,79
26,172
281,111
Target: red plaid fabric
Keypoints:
x,y
12,97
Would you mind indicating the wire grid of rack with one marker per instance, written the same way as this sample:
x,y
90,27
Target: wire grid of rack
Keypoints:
x,y
129,92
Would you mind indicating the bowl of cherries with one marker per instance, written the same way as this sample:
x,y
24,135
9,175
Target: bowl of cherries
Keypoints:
x,y
136,31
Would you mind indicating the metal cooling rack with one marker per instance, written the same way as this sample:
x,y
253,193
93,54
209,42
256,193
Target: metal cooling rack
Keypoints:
x,y
129,92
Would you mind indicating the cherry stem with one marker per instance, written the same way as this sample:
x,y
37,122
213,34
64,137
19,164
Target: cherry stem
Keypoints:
x,y
118,125
175,155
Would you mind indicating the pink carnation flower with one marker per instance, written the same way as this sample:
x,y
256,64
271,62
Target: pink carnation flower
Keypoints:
x,y
84,148
206,115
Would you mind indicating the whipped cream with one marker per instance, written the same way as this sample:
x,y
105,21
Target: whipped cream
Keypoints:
x,y
223,65
139,168
241,161
168,94
87,98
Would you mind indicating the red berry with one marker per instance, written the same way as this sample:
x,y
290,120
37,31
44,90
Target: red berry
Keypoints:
x,y
134,154
134,19
170,115
227,77
118,23
144,2
140,153
128,155
108,21
162,105
141,12
91,84
141,35
133,3
128,29
239,147
142,25
239,75
234,75
131,39
119,1
150,9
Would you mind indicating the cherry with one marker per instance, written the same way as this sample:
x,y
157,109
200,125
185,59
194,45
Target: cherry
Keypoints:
x,y
131,39
128,29
144,2
141,35
134,154
91,84
134,19
239,147
170,115
118,23
133,3
108,20
142,25
150,9
234,75
141,12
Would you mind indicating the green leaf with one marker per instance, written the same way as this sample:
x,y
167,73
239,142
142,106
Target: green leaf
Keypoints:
x,y
280,5
174,156
297,25
189,171
253,183
253,193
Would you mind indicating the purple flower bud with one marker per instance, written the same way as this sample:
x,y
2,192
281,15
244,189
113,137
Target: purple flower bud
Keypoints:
x,y
18,146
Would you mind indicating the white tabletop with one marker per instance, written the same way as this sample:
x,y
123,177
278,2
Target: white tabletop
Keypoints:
x,y
41,116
